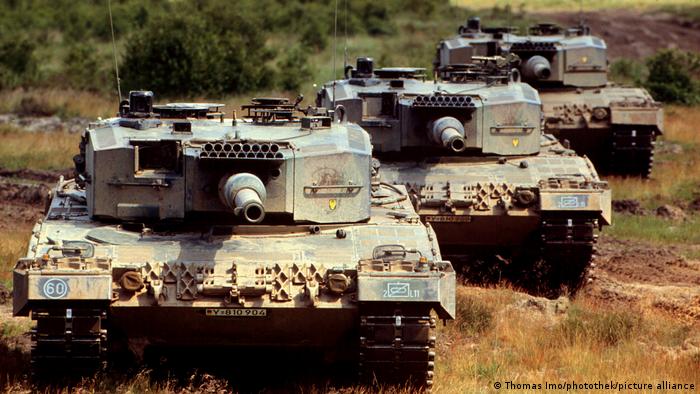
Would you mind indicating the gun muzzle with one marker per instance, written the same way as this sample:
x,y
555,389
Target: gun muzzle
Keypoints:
x,y
245,193
449,132
537,67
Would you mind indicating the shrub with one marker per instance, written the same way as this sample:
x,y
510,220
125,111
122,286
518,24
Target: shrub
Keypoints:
x,y
294,70
673,77
17,63
627,71
83,68
211,53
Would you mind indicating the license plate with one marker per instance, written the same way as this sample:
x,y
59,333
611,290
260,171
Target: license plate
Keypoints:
x,y
448,219
236,312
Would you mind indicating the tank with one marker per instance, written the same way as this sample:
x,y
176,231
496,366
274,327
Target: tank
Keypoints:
x,y
183,229
478,168
614,126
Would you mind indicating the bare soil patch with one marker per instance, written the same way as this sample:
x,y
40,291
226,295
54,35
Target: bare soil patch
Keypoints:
x,y
646,276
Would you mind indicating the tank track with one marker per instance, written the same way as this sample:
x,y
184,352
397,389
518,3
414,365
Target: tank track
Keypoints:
x,y
68,340
398,348
568,246
632,152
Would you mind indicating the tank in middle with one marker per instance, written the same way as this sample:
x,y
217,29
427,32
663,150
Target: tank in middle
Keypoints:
x,y
480,170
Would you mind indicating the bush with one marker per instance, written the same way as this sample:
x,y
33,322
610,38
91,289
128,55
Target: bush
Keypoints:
x,y
191,55
673,77
83,69
17,63
627,71
294,70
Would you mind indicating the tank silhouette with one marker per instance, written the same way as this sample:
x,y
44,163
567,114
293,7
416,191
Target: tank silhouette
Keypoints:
x,y
473,157
183,228
615,126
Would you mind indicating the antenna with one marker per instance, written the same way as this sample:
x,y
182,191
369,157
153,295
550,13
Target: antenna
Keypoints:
x,y
335,40
345,26
114,50
580,12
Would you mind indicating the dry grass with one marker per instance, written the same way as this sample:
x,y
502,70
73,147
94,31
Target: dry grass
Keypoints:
x,y
589,343
13,246
41,150
61,102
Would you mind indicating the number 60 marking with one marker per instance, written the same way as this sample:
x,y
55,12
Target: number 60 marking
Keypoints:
x,y
55,288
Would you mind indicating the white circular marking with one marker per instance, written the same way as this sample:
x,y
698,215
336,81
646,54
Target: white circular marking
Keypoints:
x,y
55,288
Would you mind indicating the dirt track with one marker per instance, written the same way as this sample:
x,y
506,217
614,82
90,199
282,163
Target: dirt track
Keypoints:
x,y
636,35
646,277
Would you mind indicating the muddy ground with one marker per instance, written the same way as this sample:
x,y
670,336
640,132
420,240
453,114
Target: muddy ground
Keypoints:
x,y
635,34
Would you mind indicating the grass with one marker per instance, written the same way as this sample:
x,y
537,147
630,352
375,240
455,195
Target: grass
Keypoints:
x,y
13,246
589,343
655,229
65,103
675,180
42,150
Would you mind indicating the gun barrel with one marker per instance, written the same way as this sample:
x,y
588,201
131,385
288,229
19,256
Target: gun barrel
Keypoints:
x,y
537,67
245,194
449,132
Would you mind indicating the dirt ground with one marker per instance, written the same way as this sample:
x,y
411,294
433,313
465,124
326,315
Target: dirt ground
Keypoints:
x,y
644,277
634,34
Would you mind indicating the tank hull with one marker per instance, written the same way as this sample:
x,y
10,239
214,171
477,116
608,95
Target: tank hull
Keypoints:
x,y
615,127
96,289
523,209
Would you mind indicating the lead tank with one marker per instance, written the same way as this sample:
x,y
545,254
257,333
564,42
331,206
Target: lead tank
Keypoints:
x,y
615,126
479,170
185,229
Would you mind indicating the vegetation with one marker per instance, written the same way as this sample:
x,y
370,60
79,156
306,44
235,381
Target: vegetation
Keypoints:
x,y
14,244
200,48
671,76
44,151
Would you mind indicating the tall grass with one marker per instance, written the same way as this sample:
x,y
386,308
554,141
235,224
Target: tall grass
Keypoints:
x,y
13,246
41,150
589,343
62,102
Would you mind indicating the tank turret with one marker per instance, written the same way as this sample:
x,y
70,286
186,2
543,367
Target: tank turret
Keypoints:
x,y
483,110
167,162
550,55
